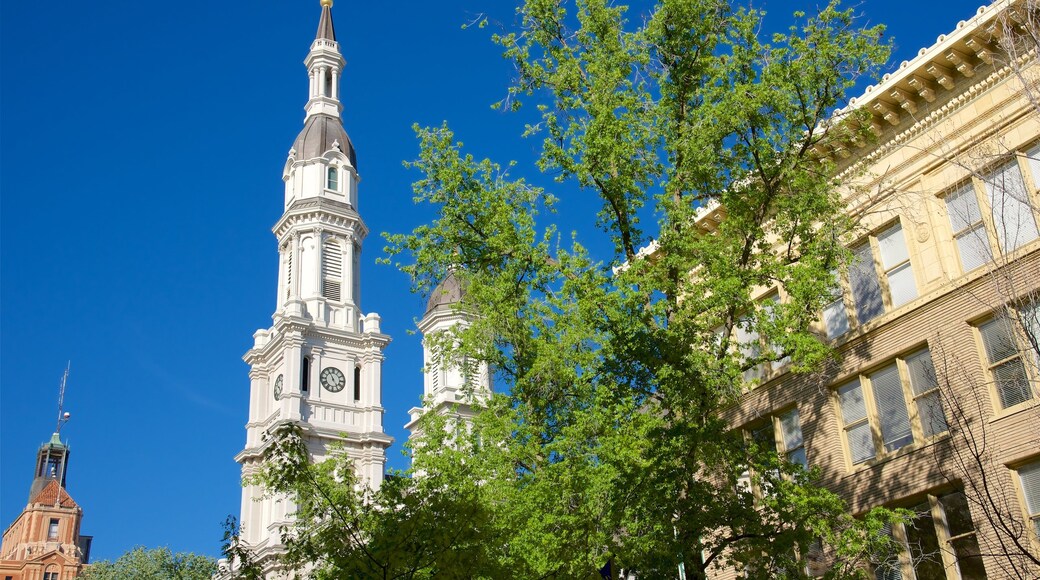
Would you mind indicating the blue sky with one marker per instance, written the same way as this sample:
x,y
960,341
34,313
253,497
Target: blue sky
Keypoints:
x,y
141,149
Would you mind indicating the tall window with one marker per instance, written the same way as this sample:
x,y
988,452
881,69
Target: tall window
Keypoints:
x,y
1029,477
880,278
968,228
835,317
875,413
1012,212
331,269
1001,218
783,433
332,182
938,543
52,529
791,442
305,374
1005,355
357,383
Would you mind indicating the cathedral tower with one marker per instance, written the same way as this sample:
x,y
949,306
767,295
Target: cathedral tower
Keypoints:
x,y
319,365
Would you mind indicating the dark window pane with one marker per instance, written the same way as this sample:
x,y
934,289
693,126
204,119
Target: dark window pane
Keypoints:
x,y
958,517
968,559
924,544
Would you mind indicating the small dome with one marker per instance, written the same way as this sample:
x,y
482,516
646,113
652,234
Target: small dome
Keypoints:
x,y
319,135
446,294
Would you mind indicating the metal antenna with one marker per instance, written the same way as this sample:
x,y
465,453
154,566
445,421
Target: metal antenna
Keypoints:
x,y
63,417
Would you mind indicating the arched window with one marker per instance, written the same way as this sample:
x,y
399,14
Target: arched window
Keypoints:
x,y
357,383
333,179
305,374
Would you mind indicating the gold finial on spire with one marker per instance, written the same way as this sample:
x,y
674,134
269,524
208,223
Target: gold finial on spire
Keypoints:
x,y
326,3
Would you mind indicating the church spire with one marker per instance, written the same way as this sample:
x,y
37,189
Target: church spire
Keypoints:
x,y
326,31
324,65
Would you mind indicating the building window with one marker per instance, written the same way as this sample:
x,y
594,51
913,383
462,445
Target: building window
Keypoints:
x,y
1009,203
1005,358
49,576
783,434
52,529
835,316
1029,476
968,229
791,442
745,339
305,375
880,278
1010,217
939,542
874,410
333,179
357,383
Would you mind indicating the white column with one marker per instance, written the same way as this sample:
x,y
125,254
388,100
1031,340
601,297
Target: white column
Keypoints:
x,y
335,83
319,238
348,270
322,82
371,379
294,247
282,290
312,87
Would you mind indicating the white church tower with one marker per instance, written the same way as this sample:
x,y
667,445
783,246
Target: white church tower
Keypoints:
x,y
319,365
455,388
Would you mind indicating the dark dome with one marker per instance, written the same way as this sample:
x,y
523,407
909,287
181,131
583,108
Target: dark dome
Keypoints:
x,y
318,135
447,293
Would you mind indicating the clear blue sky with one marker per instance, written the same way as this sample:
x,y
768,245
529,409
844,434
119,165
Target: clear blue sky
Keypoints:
x,y
142,145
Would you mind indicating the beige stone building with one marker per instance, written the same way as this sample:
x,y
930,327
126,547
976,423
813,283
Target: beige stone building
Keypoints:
x,y
933,403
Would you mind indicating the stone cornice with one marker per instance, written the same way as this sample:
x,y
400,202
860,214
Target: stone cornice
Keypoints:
x,y
928,123
329,214
956,68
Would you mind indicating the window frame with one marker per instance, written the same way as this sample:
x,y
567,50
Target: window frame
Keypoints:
x,y
978,183
774,422
949,561
1021,355
332,178
845,292
53,529
1032,519
872,413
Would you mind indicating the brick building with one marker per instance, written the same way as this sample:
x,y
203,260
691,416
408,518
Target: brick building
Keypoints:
x,y
44,541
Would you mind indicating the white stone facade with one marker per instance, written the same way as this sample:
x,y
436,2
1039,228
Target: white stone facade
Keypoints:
x,y
320,364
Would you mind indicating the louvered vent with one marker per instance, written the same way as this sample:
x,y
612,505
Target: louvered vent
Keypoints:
x,y
288,272
332,270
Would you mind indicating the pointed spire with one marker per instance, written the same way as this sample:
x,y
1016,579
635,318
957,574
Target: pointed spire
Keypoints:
x,y
326,30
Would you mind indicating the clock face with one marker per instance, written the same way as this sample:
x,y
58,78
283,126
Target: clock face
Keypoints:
x,y
278,388
333,380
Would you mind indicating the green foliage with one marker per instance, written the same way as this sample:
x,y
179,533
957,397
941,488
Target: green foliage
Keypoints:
x,y
154,564
607,441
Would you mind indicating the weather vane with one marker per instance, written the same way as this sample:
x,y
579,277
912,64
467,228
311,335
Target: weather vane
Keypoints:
x,y
63,416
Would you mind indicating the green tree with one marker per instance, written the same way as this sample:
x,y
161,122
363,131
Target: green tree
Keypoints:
x,y
154,564
606,443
